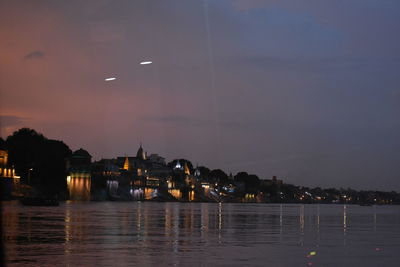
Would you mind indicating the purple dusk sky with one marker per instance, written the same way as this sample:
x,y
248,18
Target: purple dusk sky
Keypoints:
x,y
307,90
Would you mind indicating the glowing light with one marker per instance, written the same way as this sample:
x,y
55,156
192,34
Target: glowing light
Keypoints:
x,y
145,62
126,164
178,165
191,196
313,253
68,179
176,193
110,79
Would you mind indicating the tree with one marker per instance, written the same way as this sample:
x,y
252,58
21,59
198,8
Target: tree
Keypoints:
x,y
251,181
204,172
39,160
291,192
25,151
53,168
240,177
219,176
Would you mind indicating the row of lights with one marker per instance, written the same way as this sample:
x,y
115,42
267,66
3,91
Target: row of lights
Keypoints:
x,y
7,172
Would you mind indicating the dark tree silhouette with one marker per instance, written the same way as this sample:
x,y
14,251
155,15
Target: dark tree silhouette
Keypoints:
x,y
204,172
39,161
2,143
25,148
250,181
241,177
219,176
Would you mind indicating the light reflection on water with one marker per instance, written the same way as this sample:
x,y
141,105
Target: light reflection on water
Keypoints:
x,y
201,234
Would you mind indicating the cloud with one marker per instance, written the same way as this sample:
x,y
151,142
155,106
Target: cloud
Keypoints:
x,y
37,54
176,119
306,65
10,120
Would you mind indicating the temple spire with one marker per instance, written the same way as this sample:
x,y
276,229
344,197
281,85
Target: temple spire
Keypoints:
x,y
140,153
126,164
186,169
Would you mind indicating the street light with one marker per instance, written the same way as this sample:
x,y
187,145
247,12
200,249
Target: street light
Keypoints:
x,y
29,175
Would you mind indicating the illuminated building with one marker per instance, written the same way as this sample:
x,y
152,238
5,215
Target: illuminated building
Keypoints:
x,y
182,184
126,164
136,165
140,153
106,179
9,181
176,193
197,173
79,178
271,182
178,166
153,182
3,157
186,169
6,171
141,175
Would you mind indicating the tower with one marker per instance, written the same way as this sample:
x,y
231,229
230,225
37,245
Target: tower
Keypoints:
x,y
186,169
197,172
140,153
126,164
178,166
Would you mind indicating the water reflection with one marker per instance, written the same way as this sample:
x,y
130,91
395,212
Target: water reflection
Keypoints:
x,y
79,187
344,224
301,222
344,218
318,226
185,234
374,219
67,220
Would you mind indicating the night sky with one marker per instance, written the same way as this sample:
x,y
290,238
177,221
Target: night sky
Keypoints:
x,y
305,90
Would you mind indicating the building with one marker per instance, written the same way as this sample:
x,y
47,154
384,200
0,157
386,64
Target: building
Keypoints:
x,y
8,179
271,182
141,175
79,178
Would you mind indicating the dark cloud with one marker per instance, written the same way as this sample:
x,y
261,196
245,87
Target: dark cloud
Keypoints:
x,y
10,120
37,54
330,64
176,120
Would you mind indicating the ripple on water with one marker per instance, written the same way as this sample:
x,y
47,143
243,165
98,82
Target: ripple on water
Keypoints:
x,y
172,234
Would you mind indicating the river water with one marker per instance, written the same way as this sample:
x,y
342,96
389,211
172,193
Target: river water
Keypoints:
x,y
200,234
